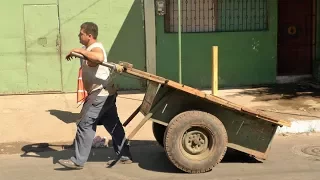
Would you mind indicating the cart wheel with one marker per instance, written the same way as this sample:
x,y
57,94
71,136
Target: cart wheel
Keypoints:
x,y
195,141
158,132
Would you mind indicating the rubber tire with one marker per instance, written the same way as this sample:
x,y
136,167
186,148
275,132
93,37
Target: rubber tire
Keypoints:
x,y
173,140
158,132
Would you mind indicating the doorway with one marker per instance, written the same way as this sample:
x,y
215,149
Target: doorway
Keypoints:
x,y
296,27
41,29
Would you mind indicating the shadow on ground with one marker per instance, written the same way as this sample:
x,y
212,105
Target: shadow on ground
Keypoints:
x,y
147,154
282,91
65,116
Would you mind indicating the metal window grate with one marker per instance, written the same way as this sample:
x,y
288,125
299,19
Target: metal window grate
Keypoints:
x,y
196,15
217,15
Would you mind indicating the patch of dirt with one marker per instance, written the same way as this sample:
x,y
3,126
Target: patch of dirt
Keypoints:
x,y
283,91
301,99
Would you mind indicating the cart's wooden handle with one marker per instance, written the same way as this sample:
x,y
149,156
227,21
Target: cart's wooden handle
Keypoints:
x,y
107,64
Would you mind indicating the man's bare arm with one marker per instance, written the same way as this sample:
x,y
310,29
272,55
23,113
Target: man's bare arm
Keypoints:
x,y
95,56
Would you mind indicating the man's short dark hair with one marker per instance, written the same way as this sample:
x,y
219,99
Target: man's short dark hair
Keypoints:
x,y
90,28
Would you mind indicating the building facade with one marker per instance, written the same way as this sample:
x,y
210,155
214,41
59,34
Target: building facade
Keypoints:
x,y
258,41
36,35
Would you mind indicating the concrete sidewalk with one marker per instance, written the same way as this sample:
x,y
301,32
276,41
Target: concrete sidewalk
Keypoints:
x,y
298,103
51,117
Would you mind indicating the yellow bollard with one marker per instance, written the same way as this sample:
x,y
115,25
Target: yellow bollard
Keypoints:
x,y
214,84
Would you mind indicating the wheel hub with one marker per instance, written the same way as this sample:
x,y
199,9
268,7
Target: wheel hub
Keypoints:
x,y
195,142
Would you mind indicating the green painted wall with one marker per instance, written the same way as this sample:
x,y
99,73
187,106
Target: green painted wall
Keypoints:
x,y
13,74
121,29
245,58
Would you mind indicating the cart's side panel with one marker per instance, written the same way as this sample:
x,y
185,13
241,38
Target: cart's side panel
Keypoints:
x,y
155,92
170,108
246,133
149,97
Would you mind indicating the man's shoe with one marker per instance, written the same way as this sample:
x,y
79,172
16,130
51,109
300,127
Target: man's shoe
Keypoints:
x,y
122,160
68,146
69,164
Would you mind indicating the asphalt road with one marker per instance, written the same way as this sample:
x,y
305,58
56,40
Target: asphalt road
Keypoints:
x,y
286,161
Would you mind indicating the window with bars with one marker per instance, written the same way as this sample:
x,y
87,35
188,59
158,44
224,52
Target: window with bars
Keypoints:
x,y
217,15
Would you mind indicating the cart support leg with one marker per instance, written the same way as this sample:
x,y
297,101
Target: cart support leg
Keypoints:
x,y
143,121
148,116
132,116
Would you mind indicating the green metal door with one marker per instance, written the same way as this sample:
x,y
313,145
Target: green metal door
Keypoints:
x,y
41,25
